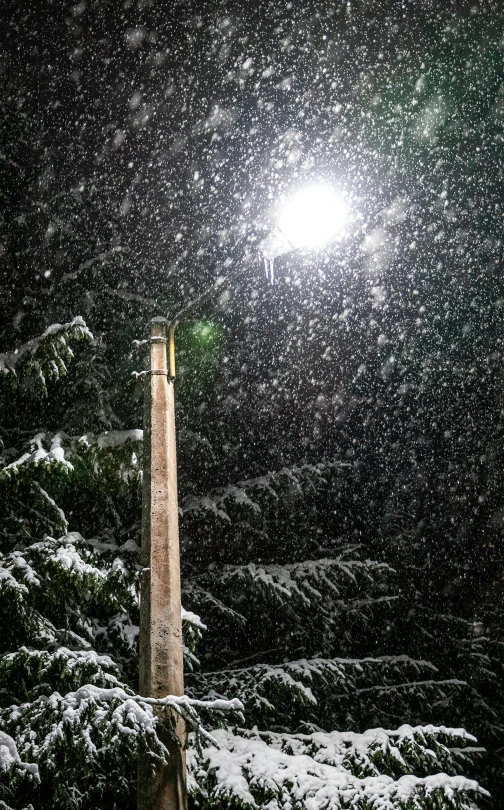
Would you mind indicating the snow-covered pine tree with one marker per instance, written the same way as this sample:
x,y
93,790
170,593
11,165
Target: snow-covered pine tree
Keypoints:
x,y
303,643
72,723
468,649
441,618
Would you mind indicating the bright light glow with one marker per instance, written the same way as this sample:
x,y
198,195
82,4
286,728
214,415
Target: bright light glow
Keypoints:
x,y
313,217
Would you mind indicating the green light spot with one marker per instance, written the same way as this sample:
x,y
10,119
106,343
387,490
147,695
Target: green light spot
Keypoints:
x,y
206,331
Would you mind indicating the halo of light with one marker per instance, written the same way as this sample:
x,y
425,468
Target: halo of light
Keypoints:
x,y
313,217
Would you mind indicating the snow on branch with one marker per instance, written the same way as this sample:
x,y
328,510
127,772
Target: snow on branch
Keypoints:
x,y
248,771
111,438
320,601
94,718
55,576
331,586
10,759
62,668
39,454
307,580
197,594
114,450
192,633
46,355
253,494
407,749
291,692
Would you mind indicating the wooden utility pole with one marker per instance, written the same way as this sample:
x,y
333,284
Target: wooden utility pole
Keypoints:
x,y
163,786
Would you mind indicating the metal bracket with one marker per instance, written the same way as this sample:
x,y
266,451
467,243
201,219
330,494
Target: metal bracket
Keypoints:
x,y
157,339
158,372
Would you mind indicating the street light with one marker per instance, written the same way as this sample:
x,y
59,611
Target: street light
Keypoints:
x,y
313,217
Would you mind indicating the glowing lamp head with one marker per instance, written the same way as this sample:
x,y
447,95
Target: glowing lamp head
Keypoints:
x,y
313,217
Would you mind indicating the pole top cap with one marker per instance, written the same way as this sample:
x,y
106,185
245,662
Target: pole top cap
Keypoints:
x,y
159,319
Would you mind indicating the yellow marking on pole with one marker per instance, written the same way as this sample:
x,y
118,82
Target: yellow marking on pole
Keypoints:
x,y
172,352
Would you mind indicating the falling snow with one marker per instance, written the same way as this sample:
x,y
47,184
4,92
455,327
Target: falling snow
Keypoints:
x,y
312,193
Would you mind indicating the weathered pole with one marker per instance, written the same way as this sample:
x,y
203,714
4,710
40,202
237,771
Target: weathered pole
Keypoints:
x,y
162,787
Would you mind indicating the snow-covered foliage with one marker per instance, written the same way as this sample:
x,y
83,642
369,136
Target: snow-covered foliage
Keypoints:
x,y
45,357
68,654
321,604
67,661
89,450
333,692
94,733
10,759
337,771
270,511
12,765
